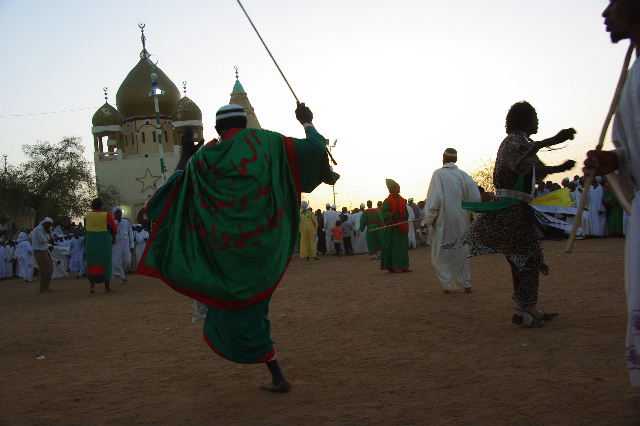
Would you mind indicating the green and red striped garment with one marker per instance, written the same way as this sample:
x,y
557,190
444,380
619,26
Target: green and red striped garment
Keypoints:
x,y
101,229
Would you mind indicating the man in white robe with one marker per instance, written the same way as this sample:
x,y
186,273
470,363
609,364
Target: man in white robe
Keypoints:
x,y
123,248
76,254
9,259
622,19
412,230
360,244
24,257
141,237
331,216
447,221
597,211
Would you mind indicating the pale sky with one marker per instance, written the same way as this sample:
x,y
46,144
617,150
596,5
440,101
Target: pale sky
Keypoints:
x,y
396,82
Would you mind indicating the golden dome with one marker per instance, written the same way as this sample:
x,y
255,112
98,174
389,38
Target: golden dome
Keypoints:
x,y
186,110
106,115
133,98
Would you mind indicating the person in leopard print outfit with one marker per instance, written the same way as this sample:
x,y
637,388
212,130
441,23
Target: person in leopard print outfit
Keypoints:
x,y
509,225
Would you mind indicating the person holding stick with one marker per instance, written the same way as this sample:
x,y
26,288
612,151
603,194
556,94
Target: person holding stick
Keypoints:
x,y
622,21
395,240
509,225
226,225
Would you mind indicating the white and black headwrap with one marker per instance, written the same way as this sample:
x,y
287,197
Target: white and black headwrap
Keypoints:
x,y
230,111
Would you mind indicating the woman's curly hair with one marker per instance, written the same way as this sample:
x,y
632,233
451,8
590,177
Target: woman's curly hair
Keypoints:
x,y
519,116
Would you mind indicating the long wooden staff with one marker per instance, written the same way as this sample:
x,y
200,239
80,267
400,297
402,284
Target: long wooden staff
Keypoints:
x,y
589,178
277,66
396,224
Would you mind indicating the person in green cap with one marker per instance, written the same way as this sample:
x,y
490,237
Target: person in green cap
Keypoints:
x,y
226,225
370,220
395,240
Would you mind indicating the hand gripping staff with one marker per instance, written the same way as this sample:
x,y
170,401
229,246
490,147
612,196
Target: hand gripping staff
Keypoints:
x,y
276,64
611,178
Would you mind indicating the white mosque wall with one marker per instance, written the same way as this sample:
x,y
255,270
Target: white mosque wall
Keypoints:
x,y
136,176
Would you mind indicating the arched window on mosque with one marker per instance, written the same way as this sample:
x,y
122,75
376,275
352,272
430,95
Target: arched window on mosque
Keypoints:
x,y
154,136
144,140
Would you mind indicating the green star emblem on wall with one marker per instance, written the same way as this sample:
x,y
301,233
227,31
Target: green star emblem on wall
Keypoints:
x,y
148,181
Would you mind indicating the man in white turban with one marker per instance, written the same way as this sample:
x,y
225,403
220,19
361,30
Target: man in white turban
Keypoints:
x,y
447,221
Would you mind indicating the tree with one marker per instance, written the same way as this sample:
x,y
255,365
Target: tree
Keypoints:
x,y
58,179
483,175
110,196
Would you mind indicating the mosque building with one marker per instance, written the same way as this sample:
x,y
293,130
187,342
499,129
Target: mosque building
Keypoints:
x,y
127,148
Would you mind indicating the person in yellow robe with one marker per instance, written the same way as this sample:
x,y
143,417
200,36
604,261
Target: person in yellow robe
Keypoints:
x,y
308,232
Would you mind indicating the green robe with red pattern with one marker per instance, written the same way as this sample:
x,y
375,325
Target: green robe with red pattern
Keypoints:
x,y
226,228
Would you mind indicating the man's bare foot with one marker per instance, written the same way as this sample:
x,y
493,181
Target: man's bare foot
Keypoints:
x,y
281,387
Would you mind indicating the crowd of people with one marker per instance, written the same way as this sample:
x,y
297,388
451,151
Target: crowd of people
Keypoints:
x,y
603,214
56,250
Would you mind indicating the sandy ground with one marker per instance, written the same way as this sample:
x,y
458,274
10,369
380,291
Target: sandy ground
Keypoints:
x,y
359,345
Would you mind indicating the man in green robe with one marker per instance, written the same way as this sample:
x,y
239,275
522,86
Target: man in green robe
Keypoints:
x,y
370,220
395,240
226,226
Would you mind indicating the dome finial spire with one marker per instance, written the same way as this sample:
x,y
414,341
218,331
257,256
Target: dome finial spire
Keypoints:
x,y
106,96
236,68
184,88
144,53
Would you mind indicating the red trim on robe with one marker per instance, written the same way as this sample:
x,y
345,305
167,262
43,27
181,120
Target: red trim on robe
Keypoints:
x,y
293,164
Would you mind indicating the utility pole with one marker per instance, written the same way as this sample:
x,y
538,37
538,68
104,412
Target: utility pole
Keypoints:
x,y
154,93
330,147
5,163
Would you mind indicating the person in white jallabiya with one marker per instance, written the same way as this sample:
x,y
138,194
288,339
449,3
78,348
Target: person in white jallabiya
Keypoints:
x,y
141,236
330,218
24,257
123,248
622,20
446,221
597,212
76,253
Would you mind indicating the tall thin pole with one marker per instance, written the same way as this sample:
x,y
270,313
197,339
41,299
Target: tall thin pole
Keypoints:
x,y
155,92
5,163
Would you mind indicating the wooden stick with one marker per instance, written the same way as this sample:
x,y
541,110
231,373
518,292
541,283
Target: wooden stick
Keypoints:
x,y
589,178
396,224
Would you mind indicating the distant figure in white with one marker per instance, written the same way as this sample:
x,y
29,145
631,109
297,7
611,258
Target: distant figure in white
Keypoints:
x,y
447,220
122,249
597,211
330,218
24,255
76,252
141,238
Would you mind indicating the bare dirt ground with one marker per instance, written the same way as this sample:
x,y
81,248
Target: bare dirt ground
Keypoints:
x,y
360,346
